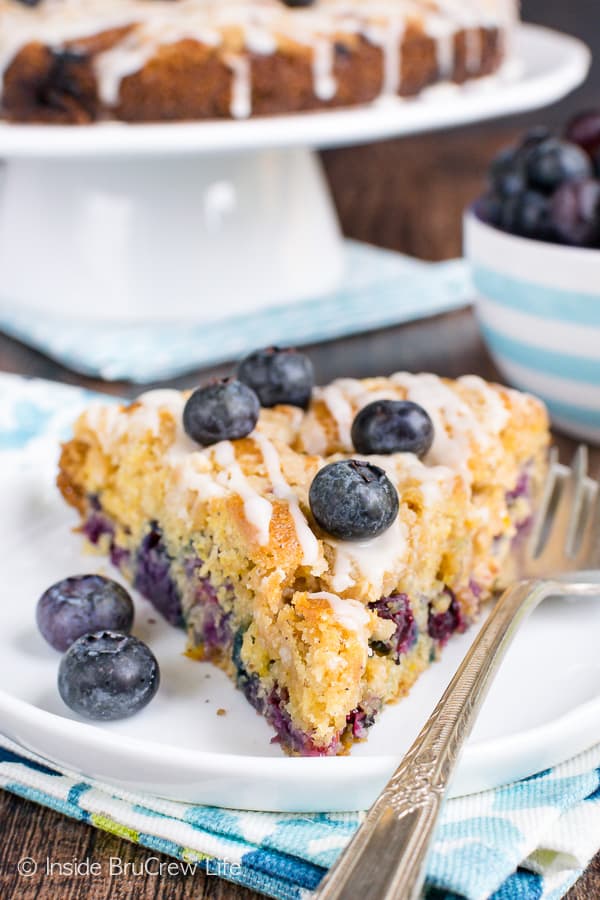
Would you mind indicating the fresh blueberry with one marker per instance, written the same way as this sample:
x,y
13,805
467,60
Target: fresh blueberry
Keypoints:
x,y
441,625
108,676
534,136
584,130
488,208
575,213
397,609
527,215
278,376
353,500
153,578
221,411
78,605
552,162
507,172
392,426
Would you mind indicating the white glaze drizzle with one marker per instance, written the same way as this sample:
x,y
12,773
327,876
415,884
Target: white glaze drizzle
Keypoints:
x,y
126,58
372,559
342,577
283,491
456,425
187,459
260,23
189,462
241,89
443,32
108,423
111,423
257,509
173,402
192,473
259,40
447,411
389,37
351,614
162,398
339,408
406,467
314,438
325,85
496,413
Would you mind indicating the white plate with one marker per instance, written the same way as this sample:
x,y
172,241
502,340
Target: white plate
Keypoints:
x,y
543,708
548,66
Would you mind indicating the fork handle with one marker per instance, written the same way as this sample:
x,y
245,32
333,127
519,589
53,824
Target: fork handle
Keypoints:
x,y
387,857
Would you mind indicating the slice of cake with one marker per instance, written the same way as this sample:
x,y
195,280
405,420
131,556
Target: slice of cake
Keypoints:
x,y
70,61
322,579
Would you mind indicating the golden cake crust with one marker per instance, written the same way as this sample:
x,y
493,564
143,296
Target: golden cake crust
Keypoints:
x,y
160,60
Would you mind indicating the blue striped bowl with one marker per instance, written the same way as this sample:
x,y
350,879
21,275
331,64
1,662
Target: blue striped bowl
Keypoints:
x,y
538,305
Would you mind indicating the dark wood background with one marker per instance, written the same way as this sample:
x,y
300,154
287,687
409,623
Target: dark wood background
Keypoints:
x,y
582,19
407,195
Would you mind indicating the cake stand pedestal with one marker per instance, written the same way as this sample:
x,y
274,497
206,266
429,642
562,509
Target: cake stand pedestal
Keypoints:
x,y
196,237
199,221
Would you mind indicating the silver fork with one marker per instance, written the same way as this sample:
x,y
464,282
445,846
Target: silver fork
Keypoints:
x,y
387,857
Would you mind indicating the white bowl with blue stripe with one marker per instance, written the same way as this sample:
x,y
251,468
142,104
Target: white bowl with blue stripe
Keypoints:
x,y
538,305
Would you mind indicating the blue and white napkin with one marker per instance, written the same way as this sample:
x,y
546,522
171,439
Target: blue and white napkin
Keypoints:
x,y
379,288
527,841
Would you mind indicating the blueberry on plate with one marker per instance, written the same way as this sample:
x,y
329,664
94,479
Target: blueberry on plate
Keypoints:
x,y
527,215
108,676
353,500
80,604
575,213
392,426
278,376
552,162
221,411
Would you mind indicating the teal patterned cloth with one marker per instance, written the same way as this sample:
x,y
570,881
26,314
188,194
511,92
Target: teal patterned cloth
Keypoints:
x,y
379,288
525,841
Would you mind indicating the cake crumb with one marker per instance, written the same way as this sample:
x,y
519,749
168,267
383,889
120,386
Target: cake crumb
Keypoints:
x,y
221,711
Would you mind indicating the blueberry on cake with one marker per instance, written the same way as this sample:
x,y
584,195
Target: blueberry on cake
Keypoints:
x,y
320,544
77,61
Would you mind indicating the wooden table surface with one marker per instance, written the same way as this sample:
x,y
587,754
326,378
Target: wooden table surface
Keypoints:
x,y
404,195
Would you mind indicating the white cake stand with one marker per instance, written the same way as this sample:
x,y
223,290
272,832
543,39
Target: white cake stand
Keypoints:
x,y
199,221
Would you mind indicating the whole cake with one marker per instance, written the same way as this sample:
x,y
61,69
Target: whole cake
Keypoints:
x,y
324,579
77,61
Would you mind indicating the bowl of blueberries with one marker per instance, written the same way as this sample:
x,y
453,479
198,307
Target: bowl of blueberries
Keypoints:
x,y
533,243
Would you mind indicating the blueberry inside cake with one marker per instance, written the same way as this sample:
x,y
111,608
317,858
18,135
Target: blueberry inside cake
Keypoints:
x,y
322,544
78,61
